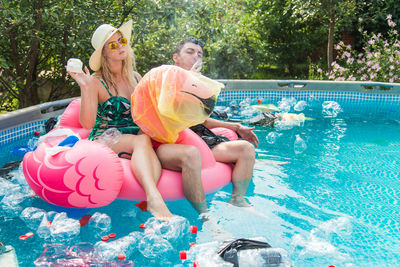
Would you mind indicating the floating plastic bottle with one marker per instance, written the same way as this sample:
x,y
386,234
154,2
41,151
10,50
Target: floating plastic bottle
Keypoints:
x,y
299,145
7,256
300,106
176,230
32,217
272,137
263,257
99,224
330,109
125,245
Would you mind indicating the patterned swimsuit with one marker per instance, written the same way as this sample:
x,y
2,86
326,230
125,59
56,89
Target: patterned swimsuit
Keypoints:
x,y
115,112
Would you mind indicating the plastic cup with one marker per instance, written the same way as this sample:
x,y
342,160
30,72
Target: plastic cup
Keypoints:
x,y
74,65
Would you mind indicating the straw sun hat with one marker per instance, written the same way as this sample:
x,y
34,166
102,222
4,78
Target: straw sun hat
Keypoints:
x,y
100,37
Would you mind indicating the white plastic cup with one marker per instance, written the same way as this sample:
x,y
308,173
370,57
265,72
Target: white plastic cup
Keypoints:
x,y
74,65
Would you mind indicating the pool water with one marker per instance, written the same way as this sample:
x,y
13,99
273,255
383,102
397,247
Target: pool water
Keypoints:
x,y
333,200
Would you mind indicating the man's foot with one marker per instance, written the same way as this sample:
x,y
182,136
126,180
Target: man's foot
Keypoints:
x,y
239,201
157,207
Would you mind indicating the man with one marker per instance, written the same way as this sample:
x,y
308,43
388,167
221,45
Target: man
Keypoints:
x,y
187,158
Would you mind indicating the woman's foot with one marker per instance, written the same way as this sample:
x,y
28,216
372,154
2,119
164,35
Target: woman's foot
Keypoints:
x,y
157,207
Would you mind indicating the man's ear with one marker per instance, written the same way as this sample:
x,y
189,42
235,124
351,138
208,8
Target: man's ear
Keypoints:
x,y
175,57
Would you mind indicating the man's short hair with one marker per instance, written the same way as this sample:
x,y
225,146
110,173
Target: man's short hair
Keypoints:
x,y
182,42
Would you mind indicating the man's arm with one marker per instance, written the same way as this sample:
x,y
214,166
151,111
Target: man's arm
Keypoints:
x,y
244,131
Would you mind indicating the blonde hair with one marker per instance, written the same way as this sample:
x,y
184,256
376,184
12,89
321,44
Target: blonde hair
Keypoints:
x,y
128,68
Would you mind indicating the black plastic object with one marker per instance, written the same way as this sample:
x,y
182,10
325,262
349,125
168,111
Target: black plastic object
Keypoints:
x,y
229,252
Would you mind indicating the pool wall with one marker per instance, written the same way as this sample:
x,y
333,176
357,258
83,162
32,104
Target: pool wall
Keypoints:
x,y
24,122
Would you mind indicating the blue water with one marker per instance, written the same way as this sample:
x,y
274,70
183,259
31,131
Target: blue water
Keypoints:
x,y
335,203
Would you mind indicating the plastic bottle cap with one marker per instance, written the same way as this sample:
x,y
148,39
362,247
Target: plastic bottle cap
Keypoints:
x,y
142,205
85,219
182,255
195,264
193,229
192,244
36,133
30,234
258,101
303,133
331,266
121,256
112,235
104,238
142,226
23,237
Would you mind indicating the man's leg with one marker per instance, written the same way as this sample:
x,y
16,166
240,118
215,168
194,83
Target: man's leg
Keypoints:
x,y
186,159
241,153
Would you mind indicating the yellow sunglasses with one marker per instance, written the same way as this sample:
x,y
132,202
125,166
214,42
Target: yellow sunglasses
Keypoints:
x,y
114,45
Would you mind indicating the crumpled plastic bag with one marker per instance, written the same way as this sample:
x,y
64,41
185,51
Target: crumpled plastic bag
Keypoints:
x,y
170,99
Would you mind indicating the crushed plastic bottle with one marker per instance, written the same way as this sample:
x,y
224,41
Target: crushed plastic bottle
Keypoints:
x,y
330,109
109,137
300,106
299,145
32,217
99,224
8,257
126,245
264,257
175,231
63,228
272,137
33,143
153,246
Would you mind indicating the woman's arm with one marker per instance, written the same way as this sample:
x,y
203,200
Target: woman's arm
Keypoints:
x,y
89,97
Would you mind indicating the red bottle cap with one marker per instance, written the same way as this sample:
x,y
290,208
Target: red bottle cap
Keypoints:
x,y
192,244
23,237
121,256
112,235
258,101
36,133
30,234
182,255
142,226
193,229
195,264
104,238
142,205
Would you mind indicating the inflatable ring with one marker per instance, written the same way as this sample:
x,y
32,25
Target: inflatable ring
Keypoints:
x,y
90,174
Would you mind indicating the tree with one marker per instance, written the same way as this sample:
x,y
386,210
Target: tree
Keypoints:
x,y
329,12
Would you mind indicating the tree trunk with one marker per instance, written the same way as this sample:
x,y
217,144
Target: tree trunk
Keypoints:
x,y
29,95
330,41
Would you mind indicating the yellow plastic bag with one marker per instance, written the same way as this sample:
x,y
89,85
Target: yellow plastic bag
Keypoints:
x,y
170,99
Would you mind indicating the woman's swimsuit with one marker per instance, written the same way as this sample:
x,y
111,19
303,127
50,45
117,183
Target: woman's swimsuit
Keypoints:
x,y
115,112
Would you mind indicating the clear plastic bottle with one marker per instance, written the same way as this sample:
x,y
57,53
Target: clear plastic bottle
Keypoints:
x,y
8,256
299,145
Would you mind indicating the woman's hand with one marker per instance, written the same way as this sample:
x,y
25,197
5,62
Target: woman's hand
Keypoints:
x,y
248,134
83,79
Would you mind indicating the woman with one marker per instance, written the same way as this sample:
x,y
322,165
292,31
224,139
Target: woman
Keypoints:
x,y
105,104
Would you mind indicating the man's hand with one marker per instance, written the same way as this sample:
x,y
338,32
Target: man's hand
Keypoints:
x,y
248,134
197,66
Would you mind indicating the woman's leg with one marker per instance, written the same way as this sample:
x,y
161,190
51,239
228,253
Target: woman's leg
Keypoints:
x,y
147,169
186,159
